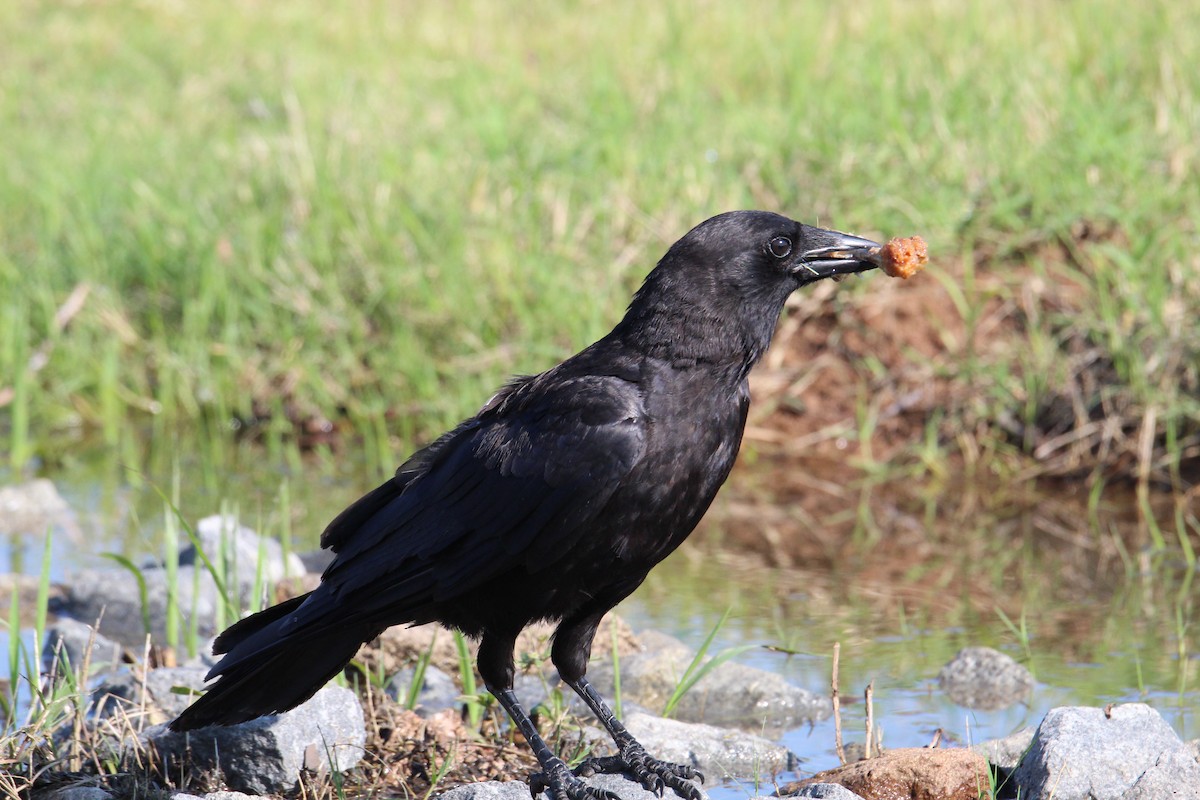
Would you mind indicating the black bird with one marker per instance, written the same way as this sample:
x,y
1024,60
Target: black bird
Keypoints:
x,y
555,500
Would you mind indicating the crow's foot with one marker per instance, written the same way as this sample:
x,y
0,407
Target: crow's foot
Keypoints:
x,y
563,784
653,774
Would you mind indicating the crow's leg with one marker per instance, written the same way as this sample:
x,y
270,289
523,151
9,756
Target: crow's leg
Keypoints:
x,y
497,670
572,647
632,757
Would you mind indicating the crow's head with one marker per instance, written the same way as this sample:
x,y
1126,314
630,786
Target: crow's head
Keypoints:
x,y
718,292
759,250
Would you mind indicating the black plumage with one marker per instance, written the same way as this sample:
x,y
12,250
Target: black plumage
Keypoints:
x,y
556,499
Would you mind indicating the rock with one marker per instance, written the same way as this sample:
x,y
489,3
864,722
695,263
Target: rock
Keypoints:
x,y
732,694
487,790
243,549
1083,753
75,792
918,773
114,597
717,752
30,507
266,755
25,587
438,690
68,640
122,691
1175,775
983,678
623,786
827,791
536,689
1006,752
619,785
315,561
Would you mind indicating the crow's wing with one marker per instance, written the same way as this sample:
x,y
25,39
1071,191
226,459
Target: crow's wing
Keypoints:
x,y
514,486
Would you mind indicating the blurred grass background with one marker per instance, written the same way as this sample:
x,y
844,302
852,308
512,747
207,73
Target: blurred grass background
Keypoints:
x,y
374,213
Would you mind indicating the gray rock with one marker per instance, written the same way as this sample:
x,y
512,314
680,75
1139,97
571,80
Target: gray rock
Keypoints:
x,y
717,752
535,689
114,597
76,792
1006,752
1175,775
827,791
68,640
242,550
215,796
438,690
30,507
732,694
1081,753
24,591
487,790
619,785
316,560
983,678
266,755
1195,745
625,787
122,691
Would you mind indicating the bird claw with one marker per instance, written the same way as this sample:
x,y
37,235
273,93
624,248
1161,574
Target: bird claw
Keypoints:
x,y
564,785
654,775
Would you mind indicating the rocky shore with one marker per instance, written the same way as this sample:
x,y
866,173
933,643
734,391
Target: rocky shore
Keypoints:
x,y
723,725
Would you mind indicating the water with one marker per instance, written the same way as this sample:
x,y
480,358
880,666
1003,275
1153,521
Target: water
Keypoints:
x,y
1110,640
1117,646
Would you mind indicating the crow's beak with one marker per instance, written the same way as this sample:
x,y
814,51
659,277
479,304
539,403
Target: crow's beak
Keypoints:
x,y
832,254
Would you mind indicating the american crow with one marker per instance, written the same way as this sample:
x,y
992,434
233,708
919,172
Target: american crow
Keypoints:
x,y
555,500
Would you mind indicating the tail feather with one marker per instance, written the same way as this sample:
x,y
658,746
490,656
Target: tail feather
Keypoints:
x,y
243,629
267,672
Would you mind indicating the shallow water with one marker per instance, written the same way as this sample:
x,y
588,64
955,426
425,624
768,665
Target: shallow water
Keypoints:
x,y
1134,640
1119,654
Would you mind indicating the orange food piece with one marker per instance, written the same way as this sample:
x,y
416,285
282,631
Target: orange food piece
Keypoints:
x,y
903,258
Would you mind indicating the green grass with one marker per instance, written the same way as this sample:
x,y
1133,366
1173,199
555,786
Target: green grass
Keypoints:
x,y
700,665
389,208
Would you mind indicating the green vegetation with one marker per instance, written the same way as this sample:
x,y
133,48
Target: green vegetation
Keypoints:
x,y
376,214
701,664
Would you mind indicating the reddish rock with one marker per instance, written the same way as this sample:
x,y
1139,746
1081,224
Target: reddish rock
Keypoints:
x,y
915,773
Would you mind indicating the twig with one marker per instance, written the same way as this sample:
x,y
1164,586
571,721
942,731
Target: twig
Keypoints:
x,y
837,705
870,718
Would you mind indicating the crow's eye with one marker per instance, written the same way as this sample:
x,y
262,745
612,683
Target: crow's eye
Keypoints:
x,y
780,246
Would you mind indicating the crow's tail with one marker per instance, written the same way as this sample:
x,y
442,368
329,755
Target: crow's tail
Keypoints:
x,y
267,671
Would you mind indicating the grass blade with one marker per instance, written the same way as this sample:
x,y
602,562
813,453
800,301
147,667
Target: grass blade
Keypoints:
x,y
698,667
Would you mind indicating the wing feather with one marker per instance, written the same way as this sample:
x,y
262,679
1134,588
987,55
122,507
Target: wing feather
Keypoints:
x,y
512,486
